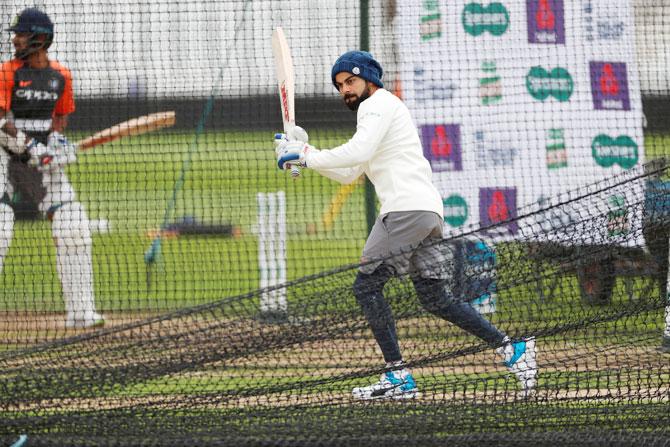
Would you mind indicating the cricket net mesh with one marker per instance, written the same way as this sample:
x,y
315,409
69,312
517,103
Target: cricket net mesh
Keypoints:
x,y
225,286
221,374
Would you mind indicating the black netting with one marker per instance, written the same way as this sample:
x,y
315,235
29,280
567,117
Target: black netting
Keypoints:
x,y
185,291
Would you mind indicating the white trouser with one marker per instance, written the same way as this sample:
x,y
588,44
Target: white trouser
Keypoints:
x,y
58,187
6,212
6,231
74,260
4,171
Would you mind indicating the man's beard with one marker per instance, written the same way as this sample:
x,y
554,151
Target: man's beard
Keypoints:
x,y
357,103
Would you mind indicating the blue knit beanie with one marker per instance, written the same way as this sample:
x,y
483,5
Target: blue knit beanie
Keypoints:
x,y
361,64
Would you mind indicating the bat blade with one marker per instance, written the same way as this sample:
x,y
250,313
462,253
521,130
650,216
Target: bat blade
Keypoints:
x,y
285,77
136,126
285,83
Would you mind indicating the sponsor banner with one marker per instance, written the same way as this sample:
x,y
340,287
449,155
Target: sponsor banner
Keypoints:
x,y
517,102
611,214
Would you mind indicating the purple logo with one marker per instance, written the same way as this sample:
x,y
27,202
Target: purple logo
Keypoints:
x,y
545,21
498,205
442,146
609,86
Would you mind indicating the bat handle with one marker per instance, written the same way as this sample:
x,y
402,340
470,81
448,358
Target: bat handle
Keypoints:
x,y
288,129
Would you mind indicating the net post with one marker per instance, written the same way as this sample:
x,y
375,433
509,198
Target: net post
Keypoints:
x,y
369,189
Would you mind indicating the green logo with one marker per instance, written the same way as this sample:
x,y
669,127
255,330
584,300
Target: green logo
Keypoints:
x,y
431,20
617,216
557,155
431,26
455,210
493,18
608,151
490,85
542,84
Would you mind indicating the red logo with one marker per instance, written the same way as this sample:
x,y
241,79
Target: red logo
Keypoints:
x,y
25,83
284,102
440,145
545,16
608,81
498,211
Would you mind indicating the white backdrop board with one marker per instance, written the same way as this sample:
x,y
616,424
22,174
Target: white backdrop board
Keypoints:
x,y
517,101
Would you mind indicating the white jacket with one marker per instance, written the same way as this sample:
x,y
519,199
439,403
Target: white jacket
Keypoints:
x,y
386,147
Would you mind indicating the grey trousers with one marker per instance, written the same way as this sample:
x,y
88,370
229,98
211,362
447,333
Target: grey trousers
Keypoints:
x,y
408,242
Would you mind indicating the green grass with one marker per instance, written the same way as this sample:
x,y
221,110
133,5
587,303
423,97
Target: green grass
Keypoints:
x,y
131,182
244,382
657,146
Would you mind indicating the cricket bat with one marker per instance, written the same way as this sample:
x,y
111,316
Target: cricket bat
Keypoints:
x,y
285,83
135,126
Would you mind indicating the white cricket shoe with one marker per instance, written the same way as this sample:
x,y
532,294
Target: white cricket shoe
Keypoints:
x,y
519,357
392,385
77,321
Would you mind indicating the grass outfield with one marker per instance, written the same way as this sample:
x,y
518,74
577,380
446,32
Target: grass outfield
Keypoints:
x,y
588,370
131,182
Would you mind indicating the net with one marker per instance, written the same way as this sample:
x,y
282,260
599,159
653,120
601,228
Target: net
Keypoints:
x,y
195,295
221,374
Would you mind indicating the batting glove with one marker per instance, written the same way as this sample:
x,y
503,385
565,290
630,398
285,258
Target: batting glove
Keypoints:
x,y
290,153
40,155
65,152
296,133
280,141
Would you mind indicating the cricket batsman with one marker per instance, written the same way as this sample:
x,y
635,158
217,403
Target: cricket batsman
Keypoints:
x,y
405,238
35,100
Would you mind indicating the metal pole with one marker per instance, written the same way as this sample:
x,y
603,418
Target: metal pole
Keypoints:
x,y
369,190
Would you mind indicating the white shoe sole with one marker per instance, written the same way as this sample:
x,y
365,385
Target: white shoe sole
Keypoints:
x,y
396,396
85,324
